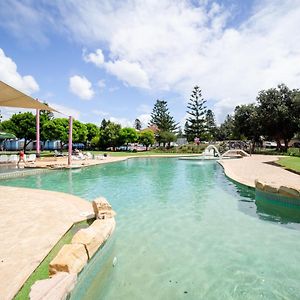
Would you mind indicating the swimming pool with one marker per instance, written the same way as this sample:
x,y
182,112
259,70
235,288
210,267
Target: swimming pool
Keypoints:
x,y
184,231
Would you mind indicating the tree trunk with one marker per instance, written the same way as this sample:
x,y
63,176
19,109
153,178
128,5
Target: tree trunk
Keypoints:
x,y
253,146
286,144
26,143
278,145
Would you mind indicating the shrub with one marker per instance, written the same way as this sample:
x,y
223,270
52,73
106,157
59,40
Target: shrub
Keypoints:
x,y
294,152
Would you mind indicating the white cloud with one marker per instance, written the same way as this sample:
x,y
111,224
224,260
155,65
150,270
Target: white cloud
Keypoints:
x,y
130,73
81,87
9,74
8,112
101,84
124,122
96,58
100,113
145,119
144,108
174,45
65,110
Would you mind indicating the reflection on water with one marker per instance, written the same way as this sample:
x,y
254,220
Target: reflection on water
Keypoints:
x,y
269,207
275,208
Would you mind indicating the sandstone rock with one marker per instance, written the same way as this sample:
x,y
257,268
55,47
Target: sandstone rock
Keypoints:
x,y
71,258
106,226
289,192
269,188
95,235
57,287
102,208
259,185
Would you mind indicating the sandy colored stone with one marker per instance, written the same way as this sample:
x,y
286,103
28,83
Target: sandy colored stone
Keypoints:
x,y
105,227
32,222
102,208
90,239
71,258
247,169
289,192
54,288
95,235
259,185
269,188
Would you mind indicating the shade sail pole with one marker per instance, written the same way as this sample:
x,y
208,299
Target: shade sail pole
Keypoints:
x,y
70,140
37,132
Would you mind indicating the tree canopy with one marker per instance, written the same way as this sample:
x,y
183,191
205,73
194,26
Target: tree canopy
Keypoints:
x,y
195,122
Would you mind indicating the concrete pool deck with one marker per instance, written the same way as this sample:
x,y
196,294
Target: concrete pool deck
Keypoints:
x,y
32,222
257,167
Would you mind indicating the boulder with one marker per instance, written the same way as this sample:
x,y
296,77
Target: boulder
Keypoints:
x,y
71,258
259,185
94,236
56,287
269,188
102,208
289,192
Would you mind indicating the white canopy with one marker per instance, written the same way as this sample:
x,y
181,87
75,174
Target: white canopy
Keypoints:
x,y
11,97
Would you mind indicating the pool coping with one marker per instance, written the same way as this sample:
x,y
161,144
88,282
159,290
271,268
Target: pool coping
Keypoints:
x,y
269,188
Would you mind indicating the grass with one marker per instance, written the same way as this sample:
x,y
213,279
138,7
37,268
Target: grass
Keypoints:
x,y
143,153
41,272
292,163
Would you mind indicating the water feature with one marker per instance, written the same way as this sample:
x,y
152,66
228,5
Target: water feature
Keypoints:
x,y
184,231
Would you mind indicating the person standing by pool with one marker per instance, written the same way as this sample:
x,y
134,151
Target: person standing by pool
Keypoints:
x,y
21,158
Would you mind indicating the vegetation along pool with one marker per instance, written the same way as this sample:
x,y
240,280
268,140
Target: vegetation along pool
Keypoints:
x,y
184,231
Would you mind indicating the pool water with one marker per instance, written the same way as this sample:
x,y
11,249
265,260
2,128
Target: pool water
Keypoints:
x,y
184,231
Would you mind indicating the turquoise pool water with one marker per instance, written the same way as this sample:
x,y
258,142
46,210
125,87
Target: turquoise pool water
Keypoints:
x,y
184,231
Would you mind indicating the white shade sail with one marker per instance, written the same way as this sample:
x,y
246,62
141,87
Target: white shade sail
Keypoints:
x,y
11,97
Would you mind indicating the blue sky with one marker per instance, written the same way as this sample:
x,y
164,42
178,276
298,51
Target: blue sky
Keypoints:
x,y
113,59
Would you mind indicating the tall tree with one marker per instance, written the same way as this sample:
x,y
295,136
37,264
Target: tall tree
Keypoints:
x,y
92,131
45,116
226,130
146,137
279,112
163,121
247,124
137,124
211,126
109,135
58,129
195,123
23,125
128,135
162,118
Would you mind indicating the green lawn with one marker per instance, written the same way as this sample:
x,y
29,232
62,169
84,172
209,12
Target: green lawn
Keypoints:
x,y
292,163
42,271
143,153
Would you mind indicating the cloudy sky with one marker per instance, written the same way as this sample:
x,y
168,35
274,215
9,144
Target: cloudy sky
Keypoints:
x,y
113,59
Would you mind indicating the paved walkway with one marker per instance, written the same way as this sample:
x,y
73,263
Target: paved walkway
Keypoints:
x,y
31,223
246,170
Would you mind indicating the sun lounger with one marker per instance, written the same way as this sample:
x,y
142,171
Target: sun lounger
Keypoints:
x,y
89,155
13,158
3,159
31,158
56,153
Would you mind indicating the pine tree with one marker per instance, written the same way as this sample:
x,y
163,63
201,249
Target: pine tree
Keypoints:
x,y
165,123
195,123
137,124
161,117
211,126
